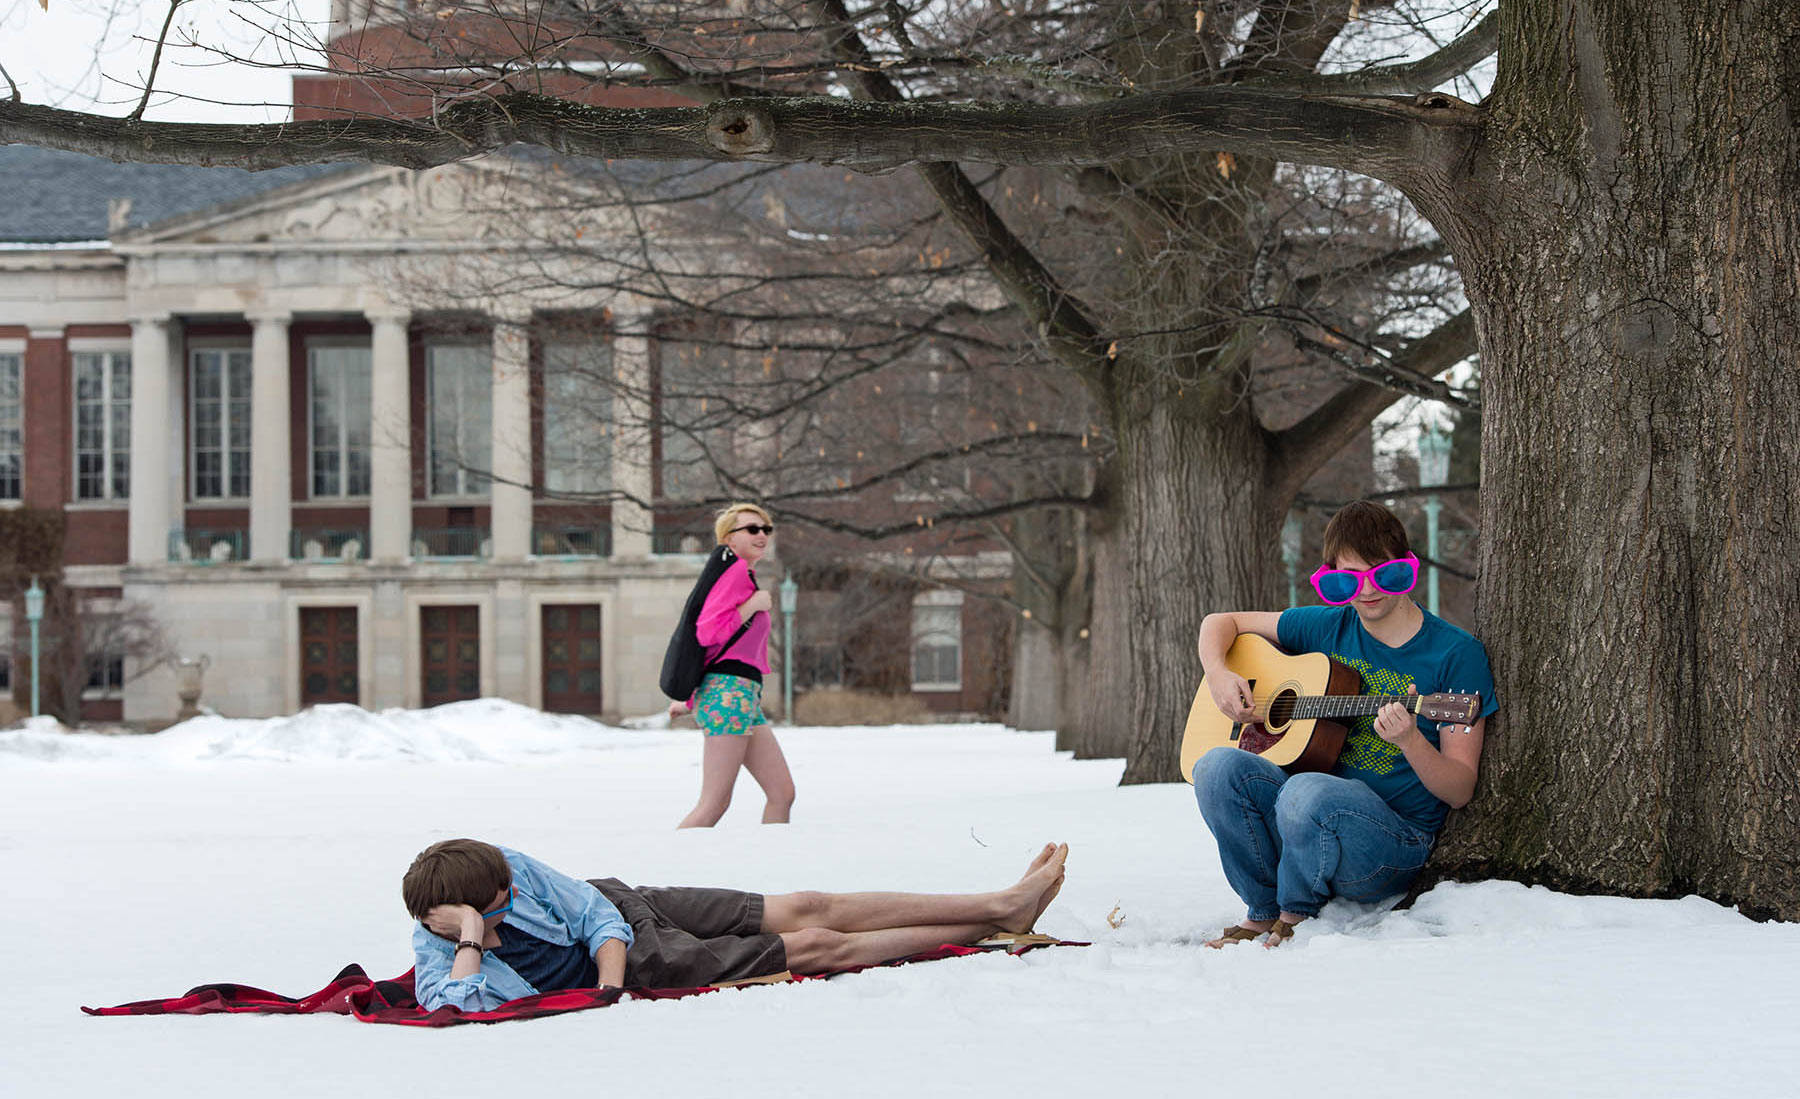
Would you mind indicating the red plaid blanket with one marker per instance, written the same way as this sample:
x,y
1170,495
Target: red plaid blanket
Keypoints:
x,y
352,992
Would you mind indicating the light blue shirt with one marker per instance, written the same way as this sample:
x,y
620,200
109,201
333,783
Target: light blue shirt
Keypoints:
x,y
546,903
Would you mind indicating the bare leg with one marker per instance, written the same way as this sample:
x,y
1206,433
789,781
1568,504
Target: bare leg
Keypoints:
x,y
1011,909
821,950
769,768
719,761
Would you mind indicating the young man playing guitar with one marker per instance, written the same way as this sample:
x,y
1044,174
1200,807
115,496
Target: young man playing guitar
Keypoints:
x,y
1289,843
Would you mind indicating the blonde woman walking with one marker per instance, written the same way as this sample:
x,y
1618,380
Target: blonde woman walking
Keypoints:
x,y
733,629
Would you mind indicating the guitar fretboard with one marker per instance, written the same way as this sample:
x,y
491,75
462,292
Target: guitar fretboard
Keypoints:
x,y
1327,706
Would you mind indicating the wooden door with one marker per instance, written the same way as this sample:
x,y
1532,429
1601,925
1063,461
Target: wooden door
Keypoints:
x,y
571,658
450,654
328,656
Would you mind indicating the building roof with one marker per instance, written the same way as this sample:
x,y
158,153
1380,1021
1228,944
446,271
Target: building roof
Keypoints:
x,y
53,196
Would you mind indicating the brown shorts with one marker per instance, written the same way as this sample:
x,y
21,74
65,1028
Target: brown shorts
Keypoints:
x,y
689,938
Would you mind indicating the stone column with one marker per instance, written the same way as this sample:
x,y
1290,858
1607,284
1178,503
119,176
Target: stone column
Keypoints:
x,y
271,490
632,427
511,491
390,443
154,484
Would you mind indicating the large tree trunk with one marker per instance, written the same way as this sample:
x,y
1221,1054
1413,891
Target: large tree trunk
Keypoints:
x,y
1187,530
1632,251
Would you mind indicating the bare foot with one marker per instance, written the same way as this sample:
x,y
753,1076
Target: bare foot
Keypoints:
x,y
1044,901
1246,930
1028,899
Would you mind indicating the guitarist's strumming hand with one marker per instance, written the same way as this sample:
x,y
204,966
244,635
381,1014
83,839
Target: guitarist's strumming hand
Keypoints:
x,y
1231,694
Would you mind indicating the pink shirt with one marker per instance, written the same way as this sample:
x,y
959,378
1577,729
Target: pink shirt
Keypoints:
x,y
719,620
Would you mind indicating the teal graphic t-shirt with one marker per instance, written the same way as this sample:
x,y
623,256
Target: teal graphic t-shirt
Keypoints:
x,y
1438,659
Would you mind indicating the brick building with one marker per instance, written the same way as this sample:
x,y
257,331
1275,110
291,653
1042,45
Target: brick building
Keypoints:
x,y
335,485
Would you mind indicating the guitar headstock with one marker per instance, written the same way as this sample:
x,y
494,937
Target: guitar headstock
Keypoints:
x,y
1456,709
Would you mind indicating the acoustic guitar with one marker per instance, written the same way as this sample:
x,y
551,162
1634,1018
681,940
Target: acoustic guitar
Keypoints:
x,y
1297,701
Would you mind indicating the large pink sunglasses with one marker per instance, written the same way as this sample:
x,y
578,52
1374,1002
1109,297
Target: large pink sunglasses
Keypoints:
x,y
1339,586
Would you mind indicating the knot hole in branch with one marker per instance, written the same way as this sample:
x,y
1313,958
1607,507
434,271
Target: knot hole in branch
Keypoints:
x,y
741,129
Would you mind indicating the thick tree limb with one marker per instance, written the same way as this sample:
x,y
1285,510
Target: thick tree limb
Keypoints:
x,y
1389,138
1307,445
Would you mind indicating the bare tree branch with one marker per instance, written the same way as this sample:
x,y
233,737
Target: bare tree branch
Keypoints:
x,y
1389,263
1413,77
1060,321
1308,444
155,60
1390,138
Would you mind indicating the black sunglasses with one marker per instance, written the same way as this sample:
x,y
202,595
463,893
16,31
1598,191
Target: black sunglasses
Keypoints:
x,y
755,529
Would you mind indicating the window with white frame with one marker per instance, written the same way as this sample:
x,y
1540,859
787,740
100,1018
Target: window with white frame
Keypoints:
x,y
102,425
459,381
937,641
219,454
12,431
339,379
578,406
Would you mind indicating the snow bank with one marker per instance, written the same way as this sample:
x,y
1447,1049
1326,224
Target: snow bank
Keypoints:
x,y
483,730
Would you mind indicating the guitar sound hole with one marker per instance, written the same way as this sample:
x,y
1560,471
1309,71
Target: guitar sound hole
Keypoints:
x,y
1281,709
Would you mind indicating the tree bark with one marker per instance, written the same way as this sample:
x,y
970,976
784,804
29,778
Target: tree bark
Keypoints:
x,y
1630,241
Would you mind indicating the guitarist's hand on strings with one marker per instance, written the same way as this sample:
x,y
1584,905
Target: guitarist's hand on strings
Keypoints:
x,y
1231,694
1394,722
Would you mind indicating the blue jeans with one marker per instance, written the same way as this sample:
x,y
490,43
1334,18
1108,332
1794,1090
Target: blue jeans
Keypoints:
x,y
1291,842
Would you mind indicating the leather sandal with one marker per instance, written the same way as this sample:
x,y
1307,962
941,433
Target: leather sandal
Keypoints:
x,y
1280,933
1236,933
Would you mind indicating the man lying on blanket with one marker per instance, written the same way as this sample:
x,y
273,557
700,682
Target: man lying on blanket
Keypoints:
x,y
495,925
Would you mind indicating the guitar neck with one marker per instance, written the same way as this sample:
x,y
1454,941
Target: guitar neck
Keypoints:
x,y
1330,706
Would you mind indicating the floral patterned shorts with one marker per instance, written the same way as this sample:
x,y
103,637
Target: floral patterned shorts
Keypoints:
x,y
729,705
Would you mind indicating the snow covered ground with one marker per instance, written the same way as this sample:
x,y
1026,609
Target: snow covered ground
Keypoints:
x,y
270,852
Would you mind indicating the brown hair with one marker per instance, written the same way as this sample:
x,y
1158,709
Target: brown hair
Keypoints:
x,y
454,872
1368,530
722,522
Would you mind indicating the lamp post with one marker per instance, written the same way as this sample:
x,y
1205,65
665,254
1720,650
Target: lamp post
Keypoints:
x,y
1290,555
1434,469
34,613
790,598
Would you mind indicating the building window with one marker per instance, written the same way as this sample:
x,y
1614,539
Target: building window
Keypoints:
x,y
102,425
106,673
5,671
578,417
340,378
12,434
459,382
220,388
937,641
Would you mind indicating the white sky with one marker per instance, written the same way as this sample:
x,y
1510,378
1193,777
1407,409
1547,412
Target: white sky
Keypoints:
x,y
93,55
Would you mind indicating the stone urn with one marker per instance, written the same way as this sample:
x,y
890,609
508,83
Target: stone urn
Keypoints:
x,y
189,670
